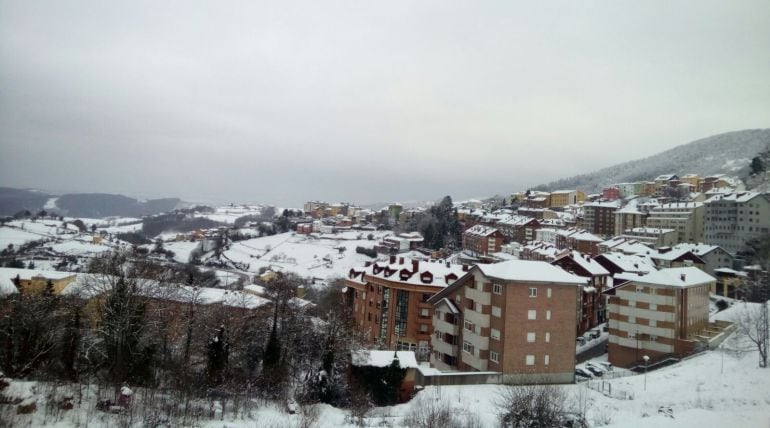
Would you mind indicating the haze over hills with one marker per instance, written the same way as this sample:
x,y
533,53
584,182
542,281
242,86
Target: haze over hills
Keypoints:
x,y
90,205
729,153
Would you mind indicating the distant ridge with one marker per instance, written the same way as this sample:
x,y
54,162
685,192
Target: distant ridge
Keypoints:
x,y
89,205
728,153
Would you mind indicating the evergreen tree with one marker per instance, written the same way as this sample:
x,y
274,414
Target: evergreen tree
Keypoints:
x,y
218,350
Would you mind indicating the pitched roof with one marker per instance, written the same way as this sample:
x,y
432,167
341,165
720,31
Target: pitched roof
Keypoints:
x,y
673,277
529,271
481,230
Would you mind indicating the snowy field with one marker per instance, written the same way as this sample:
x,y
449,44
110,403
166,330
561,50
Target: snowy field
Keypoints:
x,y
229,214
16,237
316,256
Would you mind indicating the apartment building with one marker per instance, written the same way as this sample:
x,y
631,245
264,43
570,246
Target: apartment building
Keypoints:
x,y
593,308
629,217
653,236
713,256
389,300
734,218
599,217
519,228
481,240
515,317
562,198
611,193
577,239
684,217
657,315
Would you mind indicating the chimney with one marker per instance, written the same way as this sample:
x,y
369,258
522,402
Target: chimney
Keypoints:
x,y
683,277
415,266
448,264
465,267
400,260
392,259
367,264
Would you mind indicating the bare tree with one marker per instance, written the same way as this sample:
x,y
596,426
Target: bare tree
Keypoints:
x,y
752,324
536,406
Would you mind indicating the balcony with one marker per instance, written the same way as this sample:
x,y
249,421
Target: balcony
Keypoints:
x,y
444,347
478,296
445,327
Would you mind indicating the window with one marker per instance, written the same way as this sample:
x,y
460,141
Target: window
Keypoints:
x,y
653,323
467,347
494,356
494,334
531,314
531,337
548,314
546,359
478,308
631,319
425,313
548,338
548,293
496,311
653,307
532,292
497,288
469,326
530,360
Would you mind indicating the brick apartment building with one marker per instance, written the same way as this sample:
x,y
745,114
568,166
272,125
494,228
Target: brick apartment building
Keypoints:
x,y
657,314
519,228
389,300
515,317
599,217
482,240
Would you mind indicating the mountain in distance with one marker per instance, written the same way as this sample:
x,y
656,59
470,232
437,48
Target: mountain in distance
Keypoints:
x,y
87,205
729,153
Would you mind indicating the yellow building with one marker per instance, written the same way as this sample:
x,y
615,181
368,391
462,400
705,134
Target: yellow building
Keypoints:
x,y
691,179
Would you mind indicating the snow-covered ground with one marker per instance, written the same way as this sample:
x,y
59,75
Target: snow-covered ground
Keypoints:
x,y
316,256
16,237
229,214
721,388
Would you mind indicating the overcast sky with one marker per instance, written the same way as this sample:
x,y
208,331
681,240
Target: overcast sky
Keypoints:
x,y
360,101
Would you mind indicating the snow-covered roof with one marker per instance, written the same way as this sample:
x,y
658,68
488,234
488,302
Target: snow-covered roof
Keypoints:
x,y
699,249
739,197
372,358
452,308
438,273
517,220
672,277
630,263
529,271
90,285
586,262
481,230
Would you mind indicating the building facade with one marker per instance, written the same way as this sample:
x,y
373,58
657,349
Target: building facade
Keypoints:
x,y
684,217
515,317
732,219
389,300
657,315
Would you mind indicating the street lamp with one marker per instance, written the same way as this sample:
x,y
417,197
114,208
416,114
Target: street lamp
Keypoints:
x,y
646,362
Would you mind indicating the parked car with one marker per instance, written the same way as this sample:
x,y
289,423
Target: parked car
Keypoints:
x,y
595,371
606,365
582,373
594,334
581,341
596,366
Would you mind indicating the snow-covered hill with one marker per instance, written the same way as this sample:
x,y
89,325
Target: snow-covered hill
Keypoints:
x,y
728,153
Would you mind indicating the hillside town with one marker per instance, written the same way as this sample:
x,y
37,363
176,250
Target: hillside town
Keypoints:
x,y
534,288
